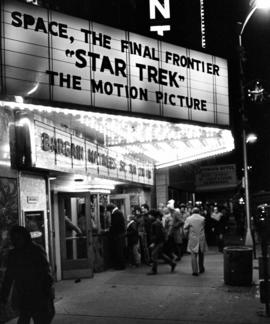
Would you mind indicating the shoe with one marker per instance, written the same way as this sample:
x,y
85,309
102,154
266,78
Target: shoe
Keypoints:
x,y
151,273
202,270
195,274
173,267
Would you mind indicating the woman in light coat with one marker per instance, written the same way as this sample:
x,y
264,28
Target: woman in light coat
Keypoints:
x,y
194,228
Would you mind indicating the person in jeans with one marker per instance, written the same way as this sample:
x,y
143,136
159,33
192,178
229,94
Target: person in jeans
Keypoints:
x,y
133,241
142,230
157,243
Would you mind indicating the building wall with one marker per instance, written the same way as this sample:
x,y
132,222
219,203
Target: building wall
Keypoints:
x,y
9,202
138,196
8,218
33,198
162,184
57,243
8,186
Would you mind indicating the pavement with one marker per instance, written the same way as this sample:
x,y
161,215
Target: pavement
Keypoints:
x,y
131,297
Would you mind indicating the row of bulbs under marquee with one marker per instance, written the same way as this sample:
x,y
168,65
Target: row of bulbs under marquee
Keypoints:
x,y
159,142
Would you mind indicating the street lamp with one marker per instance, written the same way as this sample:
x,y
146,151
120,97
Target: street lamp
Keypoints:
x,y
257,4
251,138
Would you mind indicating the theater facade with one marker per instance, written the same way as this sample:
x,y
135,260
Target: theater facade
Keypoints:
x,y
90,114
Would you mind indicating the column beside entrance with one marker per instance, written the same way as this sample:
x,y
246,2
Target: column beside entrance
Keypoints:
x,y
162,184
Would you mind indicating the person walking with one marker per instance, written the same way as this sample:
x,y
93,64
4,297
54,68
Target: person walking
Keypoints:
x,y
218,220
183,216
157,243
194,228
117,231
175,238
147,223
167,223
143,230
133,241
28,272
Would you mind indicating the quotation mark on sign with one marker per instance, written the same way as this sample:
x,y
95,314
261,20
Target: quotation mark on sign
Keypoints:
x,y
69,53
181,78
71,38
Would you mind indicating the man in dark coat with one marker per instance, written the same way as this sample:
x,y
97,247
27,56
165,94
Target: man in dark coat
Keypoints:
x,y
157,243
29,272
117,236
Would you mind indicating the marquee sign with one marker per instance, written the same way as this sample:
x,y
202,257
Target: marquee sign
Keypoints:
x,y
51,56
59,150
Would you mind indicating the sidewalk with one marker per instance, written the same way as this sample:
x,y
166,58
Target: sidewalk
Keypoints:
x,y
130,296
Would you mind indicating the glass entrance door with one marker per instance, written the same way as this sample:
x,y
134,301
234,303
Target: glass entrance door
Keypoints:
x,y
75,235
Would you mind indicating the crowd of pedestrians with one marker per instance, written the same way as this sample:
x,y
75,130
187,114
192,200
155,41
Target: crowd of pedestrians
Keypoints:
x,y
167,233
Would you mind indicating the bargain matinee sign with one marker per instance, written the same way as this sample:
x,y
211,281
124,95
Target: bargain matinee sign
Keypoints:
x,y
51,56
58,150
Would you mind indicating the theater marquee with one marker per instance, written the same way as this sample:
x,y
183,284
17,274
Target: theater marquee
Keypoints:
x,y
51,56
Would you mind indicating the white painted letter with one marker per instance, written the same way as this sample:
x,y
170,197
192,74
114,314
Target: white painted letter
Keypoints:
x,y
155,4
160,29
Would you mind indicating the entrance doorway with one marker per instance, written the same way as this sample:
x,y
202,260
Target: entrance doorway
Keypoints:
x,y
122,201
75,235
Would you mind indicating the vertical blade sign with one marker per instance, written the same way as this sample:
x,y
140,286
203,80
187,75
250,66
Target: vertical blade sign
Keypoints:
x,y
164,10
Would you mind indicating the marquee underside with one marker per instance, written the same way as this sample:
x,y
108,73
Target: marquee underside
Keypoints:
x,y
159,142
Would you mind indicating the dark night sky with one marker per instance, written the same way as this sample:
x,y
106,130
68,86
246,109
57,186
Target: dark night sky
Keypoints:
x,y
256,40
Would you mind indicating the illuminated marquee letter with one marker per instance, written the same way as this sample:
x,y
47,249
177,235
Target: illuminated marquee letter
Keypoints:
x,y
164,11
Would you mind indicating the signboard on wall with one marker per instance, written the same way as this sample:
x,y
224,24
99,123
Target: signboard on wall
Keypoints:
x,y
58,150
216,177
56,57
